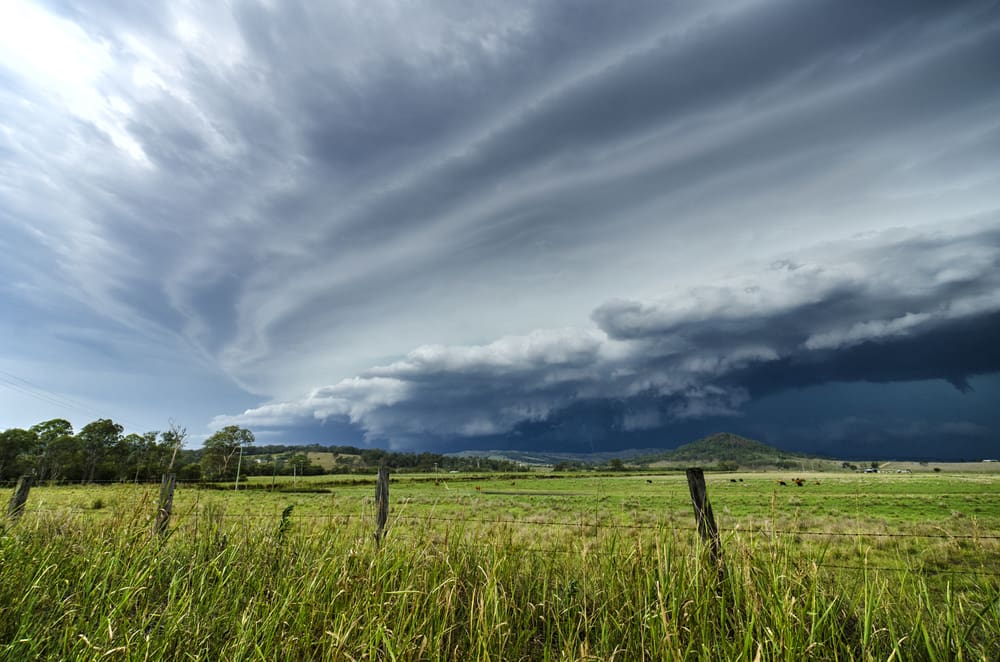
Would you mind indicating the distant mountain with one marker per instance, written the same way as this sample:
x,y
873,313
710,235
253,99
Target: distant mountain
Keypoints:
x,y
723,447
553,458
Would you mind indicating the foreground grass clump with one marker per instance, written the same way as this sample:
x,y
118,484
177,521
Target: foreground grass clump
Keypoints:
x,y
73,587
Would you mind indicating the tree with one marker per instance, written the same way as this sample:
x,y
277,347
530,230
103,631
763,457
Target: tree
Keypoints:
x,y
125,456
301,463
16,446
138,455
173,440
221,448
56,448
96,439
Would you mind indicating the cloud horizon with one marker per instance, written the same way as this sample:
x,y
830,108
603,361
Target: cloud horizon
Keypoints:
x,y
900,306
546,221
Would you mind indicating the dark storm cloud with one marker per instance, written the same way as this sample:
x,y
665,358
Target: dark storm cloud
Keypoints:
x,y
294,192
877,291
915,310
431,129
952,350
894,308
667,86
503,197
927,419
389,104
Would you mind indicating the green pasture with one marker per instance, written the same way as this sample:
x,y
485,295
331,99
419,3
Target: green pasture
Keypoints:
x,y
521,566
929,518
949,502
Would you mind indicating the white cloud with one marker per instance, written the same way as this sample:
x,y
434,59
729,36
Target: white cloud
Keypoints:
x,y
672,351
868,330
294,194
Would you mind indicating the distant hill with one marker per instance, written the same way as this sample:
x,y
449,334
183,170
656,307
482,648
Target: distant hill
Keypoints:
x,y
723,447
545,458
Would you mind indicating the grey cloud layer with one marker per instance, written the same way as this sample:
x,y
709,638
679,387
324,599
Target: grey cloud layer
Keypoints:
x,y
897,307
294,192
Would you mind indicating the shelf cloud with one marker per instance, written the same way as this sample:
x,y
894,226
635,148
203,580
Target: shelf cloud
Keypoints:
x,y
898,306
546,220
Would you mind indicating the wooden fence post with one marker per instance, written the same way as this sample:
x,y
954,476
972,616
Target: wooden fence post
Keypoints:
x,y
381,503
703,514
16,506
166,505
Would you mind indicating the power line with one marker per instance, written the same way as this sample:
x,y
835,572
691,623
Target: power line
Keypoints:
x,y
62,398
40,396
38,392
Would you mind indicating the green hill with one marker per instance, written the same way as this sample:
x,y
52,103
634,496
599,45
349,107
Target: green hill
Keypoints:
x,y
724,447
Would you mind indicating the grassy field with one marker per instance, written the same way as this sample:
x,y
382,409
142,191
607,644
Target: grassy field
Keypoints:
x,y
847,566
951,467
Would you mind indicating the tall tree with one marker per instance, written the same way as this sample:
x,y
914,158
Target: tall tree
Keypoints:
x,y
221,448
96,440
16,447
137,455
56,446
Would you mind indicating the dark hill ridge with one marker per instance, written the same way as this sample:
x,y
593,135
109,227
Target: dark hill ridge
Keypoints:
x,y
722,447
724,443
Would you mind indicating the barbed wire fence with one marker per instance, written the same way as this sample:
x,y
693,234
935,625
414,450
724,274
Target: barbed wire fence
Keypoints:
x,y
590,519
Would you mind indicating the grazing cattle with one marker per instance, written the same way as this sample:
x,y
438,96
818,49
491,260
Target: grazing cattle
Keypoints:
x,y
781,482
513,483
732,480
741,480
649,481
479,489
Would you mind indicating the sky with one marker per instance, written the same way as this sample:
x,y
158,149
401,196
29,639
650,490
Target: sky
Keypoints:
x,y
539,224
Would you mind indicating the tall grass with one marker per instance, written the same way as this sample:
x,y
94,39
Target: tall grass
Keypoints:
x,y
218,588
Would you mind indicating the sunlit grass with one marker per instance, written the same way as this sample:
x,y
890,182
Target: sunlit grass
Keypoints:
x,y
588,568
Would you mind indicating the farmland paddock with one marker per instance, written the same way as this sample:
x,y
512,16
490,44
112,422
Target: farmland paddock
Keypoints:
x,y
584,567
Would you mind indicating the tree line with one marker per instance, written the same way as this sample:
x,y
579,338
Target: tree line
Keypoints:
x,y
100,451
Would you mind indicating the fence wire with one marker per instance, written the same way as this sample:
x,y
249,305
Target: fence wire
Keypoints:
x,y
589,520
763,530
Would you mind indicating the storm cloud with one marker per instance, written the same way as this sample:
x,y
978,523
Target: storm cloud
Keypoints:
x,y
469,221
895,307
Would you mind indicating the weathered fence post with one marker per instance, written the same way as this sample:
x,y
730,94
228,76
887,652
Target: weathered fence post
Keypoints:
x,y
703,514
16,506
166,506
381,503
